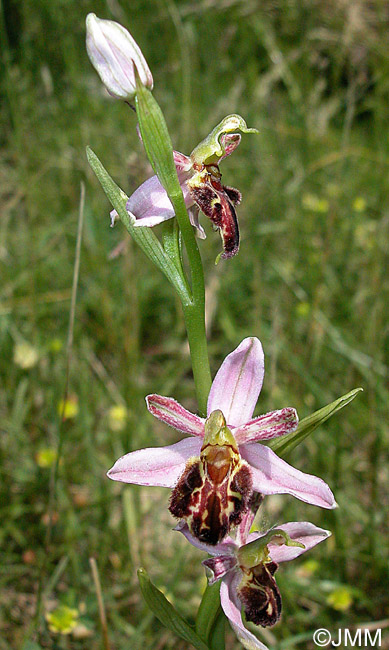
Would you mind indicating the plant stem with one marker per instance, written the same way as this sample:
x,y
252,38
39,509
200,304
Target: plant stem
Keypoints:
x,y
195,327
158,146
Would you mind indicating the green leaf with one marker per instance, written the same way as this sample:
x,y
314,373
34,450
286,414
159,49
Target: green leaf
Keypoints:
x,y
166,613
208,611
285,444
146,239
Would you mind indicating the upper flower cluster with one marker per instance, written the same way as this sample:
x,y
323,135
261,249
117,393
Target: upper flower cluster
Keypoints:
x,y
200,179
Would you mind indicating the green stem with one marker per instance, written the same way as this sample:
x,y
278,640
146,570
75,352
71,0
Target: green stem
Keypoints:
x,y
208,611
195,327
158,146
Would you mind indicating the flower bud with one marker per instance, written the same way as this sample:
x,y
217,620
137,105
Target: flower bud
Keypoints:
x,y
114,53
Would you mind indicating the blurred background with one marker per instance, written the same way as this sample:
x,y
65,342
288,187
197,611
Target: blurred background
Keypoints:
x,y
309,281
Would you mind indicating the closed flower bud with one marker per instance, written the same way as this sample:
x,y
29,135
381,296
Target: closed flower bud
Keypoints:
x,y
114,53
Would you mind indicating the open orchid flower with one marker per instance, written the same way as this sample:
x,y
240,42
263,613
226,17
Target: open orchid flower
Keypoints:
x,y
217,468
200,181
246,567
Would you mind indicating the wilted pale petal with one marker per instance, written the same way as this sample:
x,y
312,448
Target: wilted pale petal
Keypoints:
x,y
161,466
265,427
299,531
113,53
238,383
271,475
231,607
194,219
219,566
172,413
226,547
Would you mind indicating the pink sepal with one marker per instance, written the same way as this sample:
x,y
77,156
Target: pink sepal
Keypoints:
x,y
161,466
238,383
272,475
172,413
268,426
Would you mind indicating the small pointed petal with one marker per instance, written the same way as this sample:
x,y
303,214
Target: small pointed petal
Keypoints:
x,y
172,413
238,383
271,475
219,566
265,427
232,608
300,531
229,142
226,547
182,162
194,219
160,466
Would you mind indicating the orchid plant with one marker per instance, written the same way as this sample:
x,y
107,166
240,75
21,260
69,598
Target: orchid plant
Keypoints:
x,y
224,467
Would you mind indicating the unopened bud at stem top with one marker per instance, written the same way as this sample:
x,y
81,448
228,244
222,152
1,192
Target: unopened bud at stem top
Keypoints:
x,y
113,52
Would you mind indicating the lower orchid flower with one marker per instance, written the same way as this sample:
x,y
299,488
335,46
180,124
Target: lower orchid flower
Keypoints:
x,y
246,568
200,181
216,470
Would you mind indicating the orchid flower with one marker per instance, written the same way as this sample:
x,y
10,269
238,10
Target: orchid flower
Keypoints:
x,y
217,468
200,181
113,53
246,568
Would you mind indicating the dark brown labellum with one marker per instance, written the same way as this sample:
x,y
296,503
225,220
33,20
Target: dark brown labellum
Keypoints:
x,y
260,595
213,493
218,202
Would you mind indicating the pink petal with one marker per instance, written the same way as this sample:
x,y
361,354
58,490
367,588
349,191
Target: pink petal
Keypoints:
x,y
219,566
231,607
271,475
226,547
182,162
150,204
238,383
265,427
161,466
300,531
172,413
230,141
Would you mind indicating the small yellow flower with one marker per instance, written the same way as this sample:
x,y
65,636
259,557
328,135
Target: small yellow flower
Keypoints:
x,y
340,599
315,203
25,355
303,309
359,204
46,457
55,345
117,417
68,409
62,620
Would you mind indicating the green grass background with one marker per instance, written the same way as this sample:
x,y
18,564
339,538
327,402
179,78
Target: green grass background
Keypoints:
x,y
309,281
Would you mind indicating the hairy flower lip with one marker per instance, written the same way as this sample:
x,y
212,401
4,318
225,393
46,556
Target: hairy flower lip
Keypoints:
x,y
114,53
234,391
